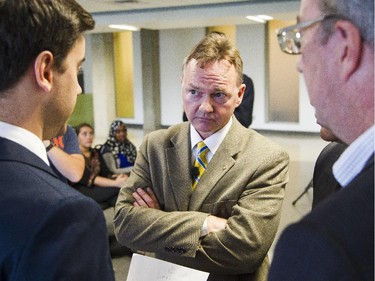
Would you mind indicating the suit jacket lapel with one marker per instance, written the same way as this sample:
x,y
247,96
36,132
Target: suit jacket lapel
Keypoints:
x,y
179,166
219,165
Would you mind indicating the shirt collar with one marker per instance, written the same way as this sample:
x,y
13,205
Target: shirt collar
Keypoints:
x,y
354,158
25,138
213,142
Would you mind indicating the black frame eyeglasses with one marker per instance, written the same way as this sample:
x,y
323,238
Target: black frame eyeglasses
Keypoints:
x,y
290,37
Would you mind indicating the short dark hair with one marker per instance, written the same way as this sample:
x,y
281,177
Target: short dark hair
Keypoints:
x,y
28,27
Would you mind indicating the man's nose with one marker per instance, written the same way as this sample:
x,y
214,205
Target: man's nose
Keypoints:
x,y
206,105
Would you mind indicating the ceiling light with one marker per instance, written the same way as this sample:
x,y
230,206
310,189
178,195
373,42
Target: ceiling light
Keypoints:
x,y
124,27
259,18
265,17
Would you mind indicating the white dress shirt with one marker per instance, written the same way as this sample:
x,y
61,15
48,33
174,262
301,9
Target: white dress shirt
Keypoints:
x,y
213,142
25,138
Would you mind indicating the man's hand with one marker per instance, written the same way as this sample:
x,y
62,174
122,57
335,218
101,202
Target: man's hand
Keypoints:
x,y
145,198
215,223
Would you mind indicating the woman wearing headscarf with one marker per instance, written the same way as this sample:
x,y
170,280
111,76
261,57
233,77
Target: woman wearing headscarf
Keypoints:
x,y
118,152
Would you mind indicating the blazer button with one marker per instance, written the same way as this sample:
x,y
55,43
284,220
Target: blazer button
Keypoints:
x,y
182,251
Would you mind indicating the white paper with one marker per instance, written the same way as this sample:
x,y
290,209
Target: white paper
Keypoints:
x,y
144,268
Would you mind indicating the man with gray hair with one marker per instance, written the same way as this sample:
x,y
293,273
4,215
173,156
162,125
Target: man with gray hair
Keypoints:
x,y
336,240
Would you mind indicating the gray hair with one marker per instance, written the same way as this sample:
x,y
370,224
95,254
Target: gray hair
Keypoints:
x,y
359,12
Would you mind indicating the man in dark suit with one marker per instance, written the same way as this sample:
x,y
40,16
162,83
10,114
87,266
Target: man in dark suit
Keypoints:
x,y
222,220
336,240
48,231
244,112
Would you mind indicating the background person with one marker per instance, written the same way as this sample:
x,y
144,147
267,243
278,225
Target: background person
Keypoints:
x,y
65,156
336,240
49,231
103,188
118,152
227,224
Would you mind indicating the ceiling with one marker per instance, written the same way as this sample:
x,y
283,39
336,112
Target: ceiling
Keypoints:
x,y
167,14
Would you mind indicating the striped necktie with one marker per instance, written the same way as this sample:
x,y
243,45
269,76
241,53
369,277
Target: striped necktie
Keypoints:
x,y
200,162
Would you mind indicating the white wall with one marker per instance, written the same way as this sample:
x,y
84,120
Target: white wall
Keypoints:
x,y
175,44
103,82
251,43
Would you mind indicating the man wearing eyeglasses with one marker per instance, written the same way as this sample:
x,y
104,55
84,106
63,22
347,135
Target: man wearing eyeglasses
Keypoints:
x,y
336,240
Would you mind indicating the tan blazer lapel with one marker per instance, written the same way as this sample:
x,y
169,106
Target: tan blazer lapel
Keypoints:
x,y
178,167
220,164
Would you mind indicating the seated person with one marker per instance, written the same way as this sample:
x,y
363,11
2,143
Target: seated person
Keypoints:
x,y
103,188
65,157
118,152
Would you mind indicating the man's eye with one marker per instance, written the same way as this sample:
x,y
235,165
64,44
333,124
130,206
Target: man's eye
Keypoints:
x,y
220,97
193,92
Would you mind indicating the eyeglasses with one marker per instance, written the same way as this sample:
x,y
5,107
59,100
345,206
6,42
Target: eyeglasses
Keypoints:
x,y
290,37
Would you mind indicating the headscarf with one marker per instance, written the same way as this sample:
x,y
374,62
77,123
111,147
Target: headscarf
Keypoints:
x,y
126,148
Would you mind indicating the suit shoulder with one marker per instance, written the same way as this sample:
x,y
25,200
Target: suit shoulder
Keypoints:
x,y
165,135
28,181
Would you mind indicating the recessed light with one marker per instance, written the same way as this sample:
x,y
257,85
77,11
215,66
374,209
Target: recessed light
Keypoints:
x,y
260,18
124,27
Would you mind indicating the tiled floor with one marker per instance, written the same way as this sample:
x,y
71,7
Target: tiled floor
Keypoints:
x,y
303,150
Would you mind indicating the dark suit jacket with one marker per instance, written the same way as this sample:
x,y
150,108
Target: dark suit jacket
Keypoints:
x,y
335,241
324,183
244,112
48,231
244,183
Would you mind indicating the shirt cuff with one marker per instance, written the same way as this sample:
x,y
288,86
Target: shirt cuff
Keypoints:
x,y
204,229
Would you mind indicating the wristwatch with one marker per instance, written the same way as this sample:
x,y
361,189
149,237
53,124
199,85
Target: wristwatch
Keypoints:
x,y
49,147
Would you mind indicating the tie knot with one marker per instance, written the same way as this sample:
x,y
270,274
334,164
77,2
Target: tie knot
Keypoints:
x,y
201,147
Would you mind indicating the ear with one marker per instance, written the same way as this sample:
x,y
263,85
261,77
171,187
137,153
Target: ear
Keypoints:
x,y
351,51
240,94
43,70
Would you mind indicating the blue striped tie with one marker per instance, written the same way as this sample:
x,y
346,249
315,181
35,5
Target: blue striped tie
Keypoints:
x,y
200,162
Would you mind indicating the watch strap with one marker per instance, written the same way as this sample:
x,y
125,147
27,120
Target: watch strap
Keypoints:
x,y
50,146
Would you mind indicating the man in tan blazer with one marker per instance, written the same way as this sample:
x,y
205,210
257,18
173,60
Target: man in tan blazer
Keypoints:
x,y
226,225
